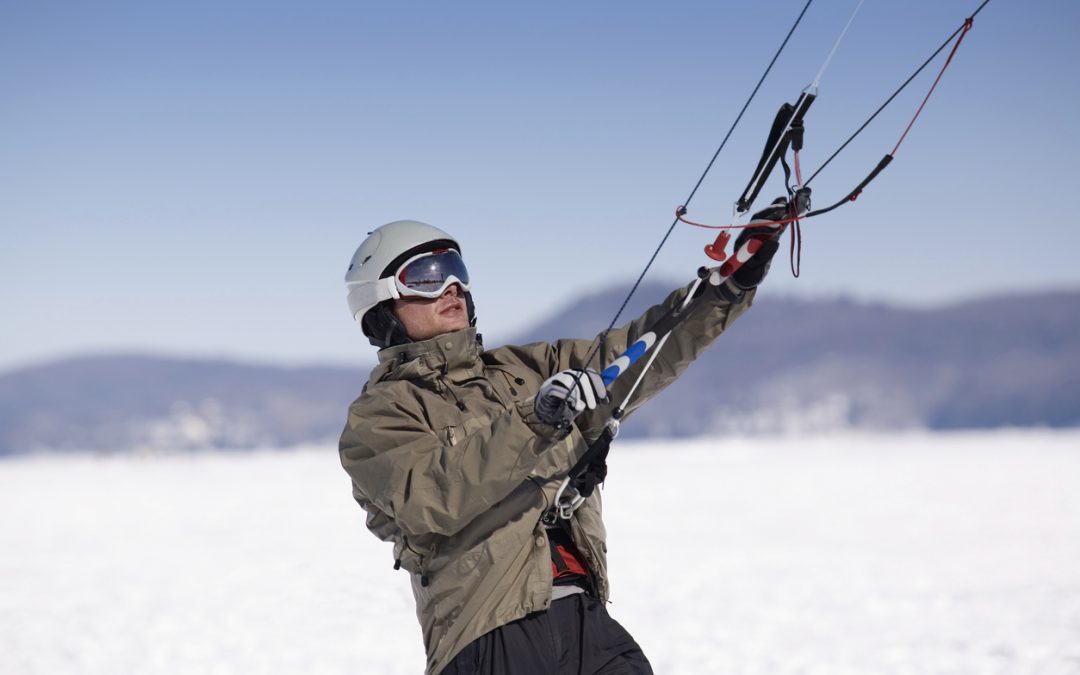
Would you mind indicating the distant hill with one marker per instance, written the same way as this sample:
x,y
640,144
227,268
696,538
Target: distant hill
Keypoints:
x,y
125,402
790,365
787,366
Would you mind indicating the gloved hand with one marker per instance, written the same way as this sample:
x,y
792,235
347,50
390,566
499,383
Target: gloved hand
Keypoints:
x,y
754,270
567,394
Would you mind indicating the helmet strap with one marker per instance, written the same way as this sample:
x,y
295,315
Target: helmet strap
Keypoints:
x,y
383,328
471,309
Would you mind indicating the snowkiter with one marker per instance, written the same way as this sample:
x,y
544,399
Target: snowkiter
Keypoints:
x,y
456,453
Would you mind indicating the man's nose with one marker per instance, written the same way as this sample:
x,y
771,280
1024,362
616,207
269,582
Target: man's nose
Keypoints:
x,y
453,289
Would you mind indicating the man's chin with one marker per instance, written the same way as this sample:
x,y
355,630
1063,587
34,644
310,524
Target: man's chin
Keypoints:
x,y
454,322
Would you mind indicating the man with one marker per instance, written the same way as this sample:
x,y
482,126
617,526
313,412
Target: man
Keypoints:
x,y
457,454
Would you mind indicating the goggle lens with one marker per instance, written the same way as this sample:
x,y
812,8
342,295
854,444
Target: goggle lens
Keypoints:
x,y
430,274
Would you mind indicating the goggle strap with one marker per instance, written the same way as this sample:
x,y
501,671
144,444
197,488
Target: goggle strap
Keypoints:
x,y
392,285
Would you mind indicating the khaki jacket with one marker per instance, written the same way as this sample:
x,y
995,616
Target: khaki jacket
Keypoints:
x,y
453,467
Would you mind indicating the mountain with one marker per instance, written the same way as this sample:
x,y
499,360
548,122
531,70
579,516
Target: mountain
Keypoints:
x,y
124,402
788,365
793,365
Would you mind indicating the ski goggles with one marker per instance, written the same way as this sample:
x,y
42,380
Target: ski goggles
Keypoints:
x,y
429,274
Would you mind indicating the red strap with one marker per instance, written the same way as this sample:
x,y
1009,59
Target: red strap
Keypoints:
x,y
967,27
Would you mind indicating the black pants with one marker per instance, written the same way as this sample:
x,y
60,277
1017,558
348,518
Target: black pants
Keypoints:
x,y
575,637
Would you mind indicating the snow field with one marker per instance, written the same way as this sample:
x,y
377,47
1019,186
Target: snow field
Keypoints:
x,y
916,553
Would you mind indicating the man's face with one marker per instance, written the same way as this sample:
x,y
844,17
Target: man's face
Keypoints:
x,y
424,318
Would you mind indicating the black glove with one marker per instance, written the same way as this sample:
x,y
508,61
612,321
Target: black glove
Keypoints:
x,y
754,270
567,394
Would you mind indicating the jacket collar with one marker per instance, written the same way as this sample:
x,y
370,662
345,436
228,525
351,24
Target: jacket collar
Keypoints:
x,y
446,353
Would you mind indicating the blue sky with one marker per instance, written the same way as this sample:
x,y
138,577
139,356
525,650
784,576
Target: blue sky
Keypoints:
x,y
192,178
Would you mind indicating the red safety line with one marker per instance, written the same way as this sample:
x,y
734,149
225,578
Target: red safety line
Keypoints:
x,y
718,246
967,27
679,212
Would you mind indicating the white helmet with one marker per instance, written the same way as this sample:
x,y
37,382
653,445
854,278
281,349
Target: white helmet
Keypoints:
x,y
369,281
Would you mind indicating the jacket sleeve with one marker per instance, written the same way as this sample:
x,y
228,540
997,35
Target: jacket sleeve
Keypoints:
x,y
707,318
403,468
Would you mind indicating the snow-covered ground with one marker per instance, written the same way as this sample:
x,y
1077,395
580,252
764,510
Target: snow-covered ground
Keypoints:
x,y
921,553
